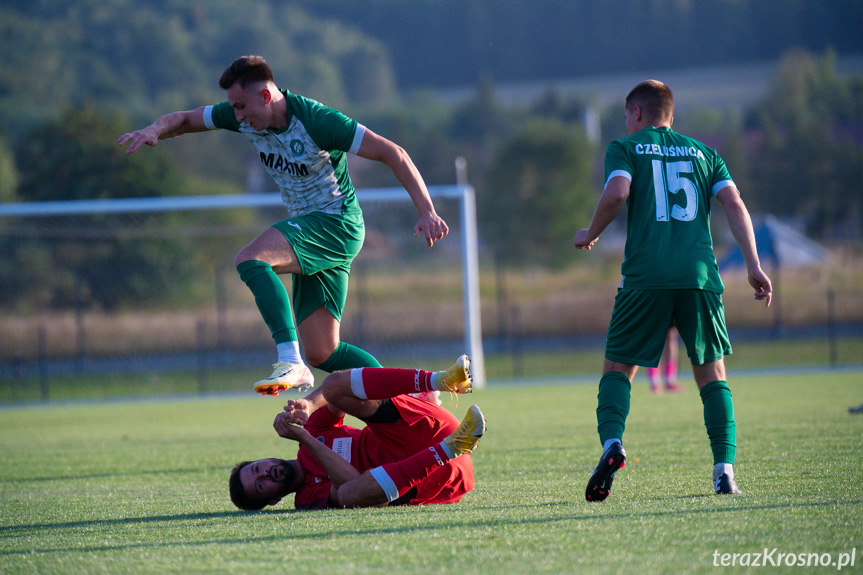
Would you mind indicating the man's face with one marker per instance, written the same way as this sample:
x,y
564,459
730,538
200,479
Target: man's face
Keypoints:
x,y
268,479
251,104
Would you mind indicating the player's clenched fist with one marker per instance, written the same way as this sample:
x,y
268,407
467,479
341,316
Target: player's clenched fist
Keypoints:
x,y
297,411
286,429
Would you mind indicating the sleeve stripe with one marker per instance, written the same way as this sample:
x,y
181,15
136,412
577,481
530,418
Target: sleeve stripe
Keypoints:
x,y
357,383
386,483
358,139
720,185
208,118
616,173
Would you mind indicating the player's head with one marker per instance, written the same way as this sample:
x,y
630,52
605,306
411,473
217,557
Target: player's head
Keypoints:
x,y
248,83
246,71
655,101
256,484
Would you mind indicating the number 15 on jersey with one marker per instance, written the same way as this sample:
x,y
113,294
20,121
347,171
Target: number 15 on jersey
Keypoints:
x,y
671,181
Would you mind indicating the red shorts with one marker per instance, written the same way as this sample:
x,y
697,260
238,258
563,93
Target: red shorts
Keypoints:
x,y
422,424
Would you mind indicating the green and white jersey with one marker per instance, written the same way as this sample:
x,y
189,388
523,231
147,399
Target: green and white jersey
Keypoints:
x,y
672,179
306,159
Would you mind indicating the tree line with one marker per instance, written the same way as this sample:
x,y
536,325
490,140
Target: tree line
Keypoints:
x,y
452,42
797,154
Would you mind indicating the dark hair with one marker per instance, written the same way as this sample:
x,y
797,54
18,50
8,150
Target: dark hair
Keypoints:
x,y
654,98
239,496
246,70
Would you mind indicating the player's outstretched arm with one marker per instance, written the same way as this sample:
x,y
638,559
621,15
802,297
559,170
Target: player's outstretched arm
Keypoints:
x,y
741,227
609,206
378,148
167,126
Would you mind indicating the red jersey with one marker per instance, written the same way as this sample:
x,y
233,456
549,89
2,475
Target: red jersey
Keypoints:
x,y
421,424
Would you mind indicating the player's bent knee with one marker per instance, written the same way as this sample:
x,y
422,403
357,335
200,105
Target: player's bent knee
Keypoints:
x,y
316,358
241,257
248,253
337,385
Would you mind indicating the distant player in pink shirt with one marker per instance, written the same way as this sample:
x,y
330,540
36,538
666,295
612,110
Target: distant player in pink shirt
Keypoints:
x,y
411,451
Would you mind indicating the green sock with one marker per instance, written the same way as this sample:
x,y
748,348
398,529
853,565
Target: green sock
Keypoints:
x,y
612,405
271,298
348,356
719,421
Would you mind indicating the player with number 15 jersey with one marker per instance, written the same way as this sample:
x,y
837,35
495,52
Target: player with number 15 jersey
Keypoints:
x,y
667,182
672,179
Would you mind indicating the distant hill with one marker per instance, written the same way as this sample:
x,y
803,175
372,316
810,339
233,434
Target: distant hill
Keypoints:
x,y
450,43
720,87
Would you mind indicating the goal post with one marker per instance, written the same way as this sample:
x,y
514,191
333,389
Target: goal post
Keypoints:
x,y
466,197
461,192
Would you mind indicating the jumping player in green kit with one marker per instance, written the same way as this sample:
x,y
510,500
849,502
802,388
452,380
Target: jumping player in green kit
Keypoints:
x,y
669,272
303,146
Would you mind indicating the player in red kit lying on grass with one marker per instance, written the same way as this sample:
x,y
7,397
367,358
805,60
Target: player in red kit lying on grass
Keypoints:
x,y
411,451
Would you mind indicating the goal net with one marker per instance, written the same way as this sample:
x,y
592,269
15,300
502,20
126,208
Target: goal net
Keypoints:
x,y
148,283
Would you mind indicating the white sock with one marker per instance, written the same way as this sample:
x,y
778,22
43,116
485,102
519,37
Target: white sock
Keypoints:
x,y
290,351
609,442
452,454
435,378
725,468
357,383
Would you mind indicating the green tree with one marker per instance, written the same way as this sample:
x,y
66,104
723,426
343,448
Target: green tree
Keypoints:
x,y
807,90
66,261
540,188
148,58
77,157
734,152
806,166
480,119
8,174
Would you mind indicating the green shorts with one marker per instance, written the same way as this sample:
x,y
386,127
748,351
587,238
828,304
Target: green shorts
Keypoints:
x,y
325,245
640,319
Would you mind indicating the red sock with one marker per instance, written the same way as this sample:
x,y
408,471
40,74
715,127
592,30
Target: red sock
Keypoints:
x,y
411,470
385,382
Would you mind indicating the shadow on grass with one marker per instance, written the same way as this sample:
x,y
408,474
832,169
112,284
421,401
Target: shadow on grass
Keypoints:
x,y
107,475
13,530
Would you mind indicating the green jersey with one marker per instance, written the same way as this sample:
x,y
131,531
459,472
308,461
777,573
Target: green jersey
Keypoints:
x,y
306,159
672,178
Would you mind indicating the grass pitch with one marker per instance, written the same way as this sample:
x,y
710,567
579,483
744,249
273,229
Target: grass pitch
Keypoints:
x,y
141,487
